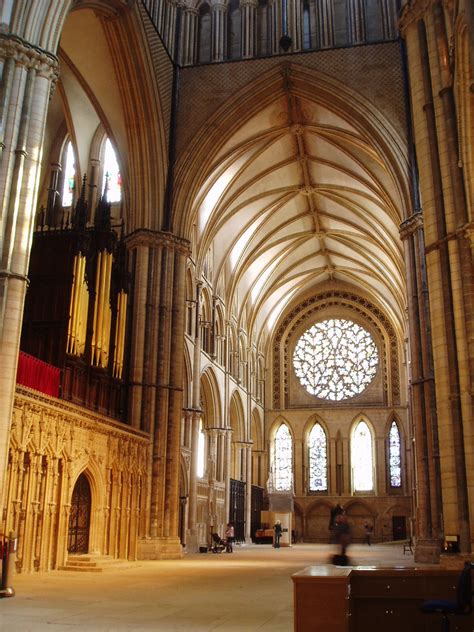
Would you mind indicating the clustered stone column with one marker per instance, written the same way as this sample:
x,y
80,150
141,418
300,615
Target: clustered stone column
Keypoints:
x,y
156,373
249,27
189,36
28,75
422,395
218,31
448,252
356,22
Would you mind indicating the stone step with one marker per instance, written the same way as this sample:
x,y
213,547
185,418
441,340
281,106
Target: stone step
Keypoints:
x,y
93,563
81,569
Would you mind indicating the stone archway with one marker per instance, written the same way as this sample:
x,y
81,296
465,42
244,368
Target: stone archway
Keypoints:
x,y
80,517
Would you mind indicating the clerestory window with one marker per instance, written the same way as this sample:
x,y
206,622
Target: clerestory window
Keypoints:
x,y
112,174
69,183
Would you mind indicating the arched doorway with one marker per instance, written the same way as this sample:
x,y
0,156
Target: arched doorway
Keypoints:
x,y
80,517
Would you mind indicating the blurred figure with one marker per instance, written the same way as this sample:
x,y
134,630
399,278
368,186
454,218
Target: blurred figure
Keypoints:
x,y
342,538
368,532
277,531
335,512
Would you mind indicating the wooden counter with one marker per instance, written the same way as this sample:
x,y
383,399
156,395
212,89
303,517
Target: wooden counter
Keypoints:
x,y
365,598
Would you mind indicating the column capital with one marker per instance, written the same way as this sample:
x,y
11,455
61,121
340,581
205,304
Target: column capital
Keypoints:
x,y
412,224
413,11
219,5
153,238
24,54
249,3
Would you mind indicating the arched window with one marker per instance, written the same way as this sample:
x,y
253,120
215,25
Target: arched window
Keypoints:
x,y
318,459
201,450
283,460
394,456
112,173
69,183
362,458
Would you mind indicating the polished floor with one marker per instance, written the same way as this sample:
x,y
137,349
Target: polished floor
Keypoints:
x,y
246,591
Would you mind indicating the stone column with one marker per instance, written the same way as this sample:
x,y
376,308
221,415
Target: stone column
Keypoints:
x,y
422,392
356,22
28,74
325,24
227,464
248,500
218,31
248,10
449,264
295,25
189,40
275,28
163,283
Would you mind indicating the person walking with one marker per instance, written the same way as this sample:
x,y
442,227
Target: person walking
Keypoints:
x,y
277,530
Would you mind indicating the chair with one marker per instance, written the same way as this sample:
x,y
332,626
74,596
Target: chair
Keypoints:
x,y
408,546
461,607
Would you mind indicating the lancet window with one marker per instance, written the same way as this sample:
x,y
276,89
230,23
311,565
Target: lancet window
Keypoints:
x,y
283,460
318,459
394,456
69,183
112,174
362,458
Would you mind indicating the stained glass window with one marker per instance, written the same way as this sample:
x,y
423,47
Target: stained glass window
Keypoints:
x,y
112,173
283,460
362,458
69,176
394,456
318,461
335,359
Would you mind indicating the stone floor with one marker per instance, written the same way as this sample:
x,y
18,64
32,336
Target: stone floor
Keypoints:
x,y
248,590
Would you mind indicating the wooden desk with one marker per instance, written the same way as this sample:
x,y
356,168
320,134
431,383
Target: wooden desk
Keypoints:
x,y
362,599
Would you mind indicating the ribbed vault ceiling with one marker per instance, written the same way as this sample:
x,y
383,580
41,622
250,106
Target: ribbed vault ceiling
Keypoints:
x,y
299,196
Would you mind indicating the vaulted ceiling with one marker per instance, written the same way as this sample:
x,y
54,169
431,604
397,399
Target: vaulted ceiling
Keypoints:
x,y
298,197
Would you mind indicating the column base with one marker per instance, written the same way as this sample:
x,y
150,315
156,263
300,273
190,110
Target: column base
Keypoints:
x,y
192,543
159,549
427,551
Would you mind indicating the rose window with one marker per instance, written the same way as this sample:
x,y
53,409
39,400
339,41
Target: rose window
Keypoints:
x,y
335,359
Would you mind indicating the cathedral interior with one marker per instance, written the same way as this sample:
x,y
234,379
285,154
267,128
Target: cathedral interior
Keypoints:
x,y
237,275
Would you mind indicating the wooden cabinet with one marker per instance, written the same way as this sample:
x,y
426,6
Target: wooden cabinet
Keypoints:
x,y
359,599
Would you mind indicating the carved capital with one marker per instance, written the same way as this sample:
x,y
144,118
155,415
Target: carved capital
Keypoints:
x,y
411,225
31,57
154,238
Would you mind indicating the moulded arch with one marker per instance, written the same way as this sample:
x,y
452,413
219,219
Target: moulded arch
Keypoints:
x,y
211,404
237,417
312,421
257,430
277,423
